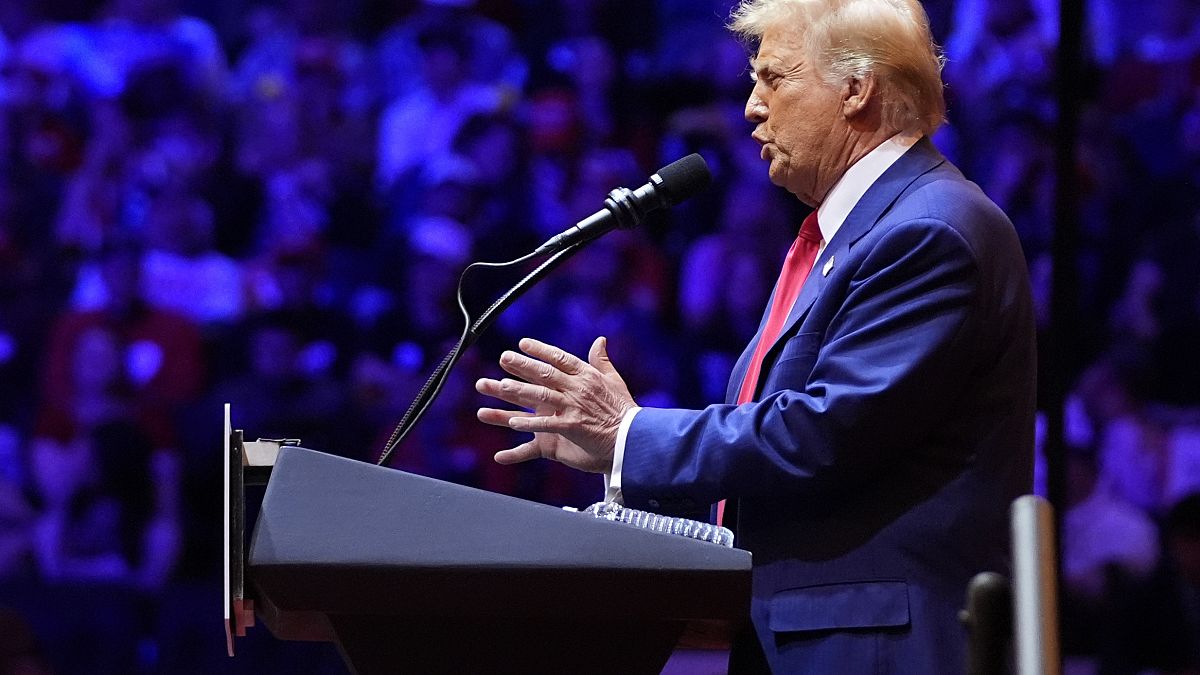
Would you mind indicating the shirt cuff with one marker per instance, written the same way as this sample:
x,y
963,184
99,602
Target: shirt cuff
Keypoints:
x,y
612,481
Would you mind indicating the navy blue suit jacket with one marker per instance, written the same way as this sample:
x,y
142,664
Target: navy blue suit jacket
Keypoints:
x,y
892,428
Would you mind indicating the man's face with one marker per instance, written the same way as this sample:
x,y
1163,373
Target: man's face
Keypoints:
x,y
797,115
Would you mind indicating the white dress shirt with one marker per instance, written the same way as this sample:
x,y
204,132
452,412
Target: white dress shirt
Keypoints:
x,y
832,212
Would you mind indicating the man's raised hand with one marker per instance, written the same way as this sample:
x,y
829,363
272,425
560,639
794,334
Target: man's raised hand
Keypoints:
x,y
577,405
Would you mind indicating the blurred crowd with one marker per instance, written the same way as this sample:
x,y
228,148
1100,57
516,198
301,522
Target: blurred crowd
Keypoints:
x,y
269,203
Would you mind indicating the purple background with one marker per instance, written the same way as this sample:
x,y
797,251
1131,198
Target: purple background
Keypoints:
x,y
269,204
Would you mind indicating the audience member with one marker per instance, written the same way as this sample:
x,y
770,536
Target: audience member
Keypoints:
x,y
1102,534
136,35
1159,619
123,360
101,519
421,124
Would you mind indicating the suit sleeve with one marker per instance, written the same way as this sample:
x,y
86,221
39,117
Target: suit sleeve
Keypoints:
x,y
891,362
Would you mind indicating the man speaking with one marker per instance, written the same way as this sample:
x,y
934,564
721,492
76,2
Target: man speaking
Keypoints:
x,y
880,422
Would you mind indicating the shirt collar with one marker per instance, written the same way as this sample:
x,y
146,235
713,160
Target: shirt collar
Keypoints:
x,y
853,184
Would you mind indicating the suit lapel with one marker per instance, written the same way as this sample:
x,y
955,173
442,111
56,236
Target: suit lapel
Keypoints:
x,y
739,370
743,363
920,159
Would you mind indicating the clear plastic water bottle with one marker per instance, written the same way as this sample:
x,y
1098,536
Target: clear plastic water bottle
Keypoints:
x,y
682,527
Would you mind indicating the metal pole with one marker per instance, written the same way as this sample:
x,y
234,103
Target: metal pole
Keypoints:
x,y
1035,588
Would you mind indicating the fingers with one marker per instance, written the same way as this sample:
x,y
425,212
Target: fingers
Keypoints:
x,y
521,393
498,417
598,356
562,360
522,453
519,420
532,370
538,423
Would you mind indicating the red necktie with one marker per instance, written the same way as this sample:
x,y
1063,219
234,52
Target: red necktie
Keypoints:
x,y
799,262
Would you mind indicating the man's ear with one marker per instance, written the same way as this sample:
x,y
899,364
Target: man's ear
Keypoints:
x,y
857,95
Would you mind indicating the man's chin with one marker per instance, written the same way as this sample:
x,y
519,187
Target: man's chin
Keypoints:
x,y
777,172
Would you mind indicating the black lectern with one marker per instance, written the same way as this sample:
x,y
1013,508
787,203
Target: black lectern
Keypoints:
x,y
410,574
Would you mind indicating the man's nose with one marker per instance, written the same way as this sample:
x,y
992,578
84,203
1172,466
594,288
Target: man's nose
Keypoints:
x,y
756,109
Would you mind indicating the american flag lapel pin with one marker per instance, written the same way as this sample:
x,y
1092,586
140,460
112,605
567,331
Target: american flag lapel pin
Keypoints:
x,y
828,266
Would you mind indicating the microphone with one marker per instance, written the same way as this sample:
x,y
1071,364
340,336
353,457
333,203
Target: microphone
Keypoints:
x,y
625,208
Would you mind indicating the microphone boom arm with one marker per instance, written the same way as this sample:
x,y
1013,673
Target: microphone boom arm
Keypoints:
x,y
471,333
623,208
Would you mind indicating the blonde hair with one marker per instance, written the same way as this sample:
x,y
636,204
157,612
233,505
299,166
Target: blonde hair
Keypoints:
x,y
889,39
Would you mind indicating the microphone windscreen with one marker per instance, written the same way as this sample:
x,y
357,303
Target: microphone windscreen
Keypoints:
x,y
684,178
